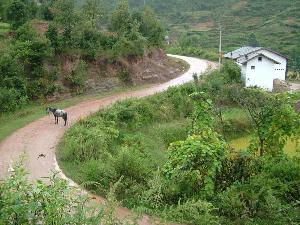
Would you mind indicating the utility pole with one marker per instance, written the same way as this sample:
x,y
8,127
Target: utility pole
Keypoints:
x,y
144,2
220,48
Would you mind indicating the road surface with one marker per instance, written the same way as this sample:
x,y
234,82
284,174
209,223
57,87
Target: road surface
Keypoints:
x,y
42,136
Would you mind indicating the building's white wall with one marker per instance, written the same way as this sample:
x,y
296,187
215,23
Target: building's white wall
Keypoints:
x,y
280,69
263,74
243,72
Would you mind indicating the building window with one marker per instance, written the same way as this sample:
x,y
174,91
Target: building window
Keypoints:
x,y
259,58
252,67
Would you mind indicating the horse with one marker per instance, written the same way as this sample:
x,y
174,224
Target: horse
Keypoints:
x,y
58,113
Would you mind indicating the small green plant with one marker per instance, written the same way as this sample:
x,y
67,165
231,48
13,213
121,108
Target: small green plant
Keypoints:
x,y
76,77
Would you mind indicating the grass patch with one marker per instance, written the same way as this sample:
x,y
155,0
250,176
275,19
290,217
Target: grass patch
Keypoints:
x,y
291,148
11,122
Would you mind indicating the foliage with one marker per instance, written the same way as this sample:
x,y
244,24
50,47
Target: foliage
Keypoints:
x,y
76,77
66,17
196,179
194,163
265,195
273,118
22,202
252,41
17,13
11,99
150,27
121,18
52,35
194,212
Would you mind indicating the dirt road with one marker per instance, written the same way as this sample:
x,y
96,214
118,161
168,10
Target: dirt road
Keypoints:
x,y
42,136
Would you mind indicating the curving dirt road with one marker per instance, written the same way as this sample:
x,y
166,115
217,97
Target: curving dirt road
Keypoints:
x,y
42,136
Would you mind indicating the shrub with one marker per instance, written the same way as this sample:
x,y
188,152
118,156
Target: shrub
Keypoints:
x,y
11,99
76,77
193,212
21,202
124,76
195,162
252,199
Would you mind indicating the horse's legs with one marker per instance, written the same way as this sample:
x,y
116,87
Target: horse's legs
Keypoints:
x,y
54,119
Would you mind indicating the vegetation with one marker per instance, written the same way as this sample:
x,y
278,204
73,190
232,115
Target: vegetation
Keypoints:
x,y
171,151
243,23
21,202
29,61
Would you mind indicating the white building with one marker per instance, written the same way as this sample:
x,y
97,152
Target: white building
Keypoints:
x,y
260,66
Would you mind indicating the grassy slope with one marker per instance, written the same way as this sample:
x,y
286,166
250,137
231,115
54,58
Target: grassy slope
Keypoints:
x,y
277,28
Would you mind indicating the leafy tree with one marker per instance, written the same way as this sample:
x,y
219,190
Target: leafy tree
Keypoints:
x,y
3,6
46,9
150,27
195,162
32,55
131,43
252,41
11,99
121,19
66,17
202,114
93,10
53,36
273,119
17,13
26,32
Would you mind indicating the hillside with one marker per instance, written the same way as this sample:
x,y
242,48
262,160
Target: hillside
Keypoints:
x,y
276,24
55,49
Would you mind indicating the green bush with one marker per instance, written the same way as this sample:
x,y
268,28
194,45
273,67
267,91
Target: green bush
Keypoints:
x,y
76,77
11,99
193,212
195,162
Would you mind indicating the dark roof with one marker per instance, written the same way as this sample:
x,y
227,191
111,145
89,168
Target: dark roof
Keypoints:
x,y
241,52
257,55
246,50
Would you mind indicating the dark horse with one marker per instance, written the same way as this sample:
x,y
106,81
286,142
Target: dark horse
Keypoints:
x,y
58,113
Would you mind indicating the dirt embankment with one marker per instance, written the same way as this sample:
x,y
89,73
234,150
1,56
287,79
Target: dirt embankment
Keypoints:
x,y
101,75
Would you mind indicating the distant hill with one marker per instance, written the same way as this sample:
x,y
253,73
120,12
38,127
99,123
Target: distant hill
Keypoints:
x,y
275,24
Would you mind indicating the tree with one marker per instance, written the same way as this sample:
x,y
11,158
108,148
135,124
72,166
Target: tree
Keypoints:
x,y
151,28
93,12
66,17
31,54
252,41
273,119
17,13
195,162
131,43
121,18
3,6
52,35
